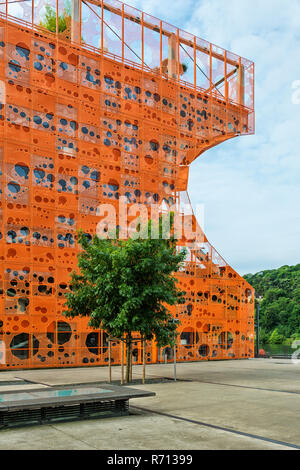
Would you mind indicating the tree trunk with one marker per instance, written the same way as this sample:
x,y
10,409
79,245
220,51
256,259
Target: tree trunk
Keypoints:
x,y
128,358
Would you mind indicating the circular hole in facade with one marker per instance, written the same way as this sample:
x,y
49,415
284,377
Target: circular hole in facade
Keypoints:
x,y
59,332
225,340
203,350
24,345
189,337
97,343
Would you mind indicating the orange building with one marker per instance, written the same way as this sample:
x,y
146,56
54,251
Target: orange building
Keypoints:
x,y
101,102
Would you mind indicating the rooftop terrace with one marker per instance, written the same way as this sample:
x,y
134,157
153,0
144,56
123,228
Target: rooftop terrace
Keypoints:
x,y
126,34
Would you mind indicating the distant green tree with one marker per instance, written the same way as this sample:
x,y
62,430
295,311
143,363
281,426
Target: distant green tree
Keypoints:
x,y
126,287
280,304
297,295
276,337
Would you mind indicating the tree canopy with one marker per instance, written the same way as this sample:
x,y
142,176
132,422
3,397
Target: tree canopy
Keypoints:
x,y
278,291
127,286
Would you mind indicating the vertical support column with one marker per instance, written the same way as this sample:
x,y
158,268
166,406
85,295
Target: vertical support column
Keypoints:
x,y
75,25
32,13
210,92
257,328
177,56
80,8
56,27
109,360
172,62
160,50
102,23
210,69
142,26
226,91
123,32
144,359
225,77
122,361
241,83
195,64
175,378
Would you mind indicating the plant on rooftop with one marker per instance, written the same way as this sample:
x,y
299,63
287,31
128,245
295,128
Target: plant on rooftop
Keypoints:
x,y
49,20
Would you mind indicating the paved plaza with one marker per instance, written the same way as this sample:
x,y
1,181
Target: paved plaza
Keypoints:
x,y
213,405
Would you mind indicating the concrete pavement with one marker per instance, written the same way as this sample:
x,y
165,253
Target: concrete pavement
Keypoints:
x,y
214,405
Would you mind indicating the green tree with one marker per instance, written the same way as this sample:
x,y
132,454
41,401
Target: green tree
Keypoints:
x,y
49,20
276,337
280,304
126,286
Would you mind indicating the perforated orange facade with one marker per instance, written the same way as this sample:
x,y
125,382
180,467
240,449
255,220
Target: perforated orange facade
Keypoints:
x,y
112,102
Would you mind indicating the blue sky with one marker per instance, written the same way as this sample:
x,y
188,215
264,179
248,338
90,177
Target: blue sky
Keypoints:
x,y
250,186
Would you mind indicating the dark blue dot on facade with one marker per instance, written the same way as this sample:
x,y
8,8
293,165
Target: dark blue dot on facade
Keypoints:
x,y
24,231
38,66
85,169
39,174
14,187
108,80
95,175
37,119
22,170
14,66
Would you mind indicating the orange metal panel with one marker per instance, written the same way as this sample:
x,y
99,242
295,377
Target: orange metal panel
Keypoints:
x,y
81,126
